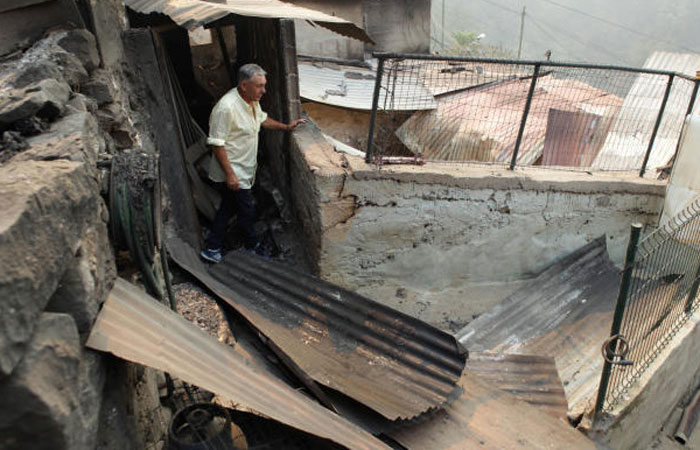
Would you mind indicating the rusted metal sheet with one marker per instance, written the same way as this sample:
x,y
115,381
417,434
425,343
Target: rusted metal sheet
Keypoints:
x,y
194,13
393,363
136,327
353,87
487,417
574,138
532,379
564,313
482,123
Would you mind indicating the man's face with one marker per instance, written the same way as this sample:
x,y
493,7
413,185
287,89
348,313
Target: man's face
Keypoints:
x,y
254,88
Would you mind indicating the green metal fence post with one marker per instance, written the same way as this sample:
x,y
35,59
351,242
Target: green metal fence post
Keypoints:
x,y
623,294
526,111
669,85
375,104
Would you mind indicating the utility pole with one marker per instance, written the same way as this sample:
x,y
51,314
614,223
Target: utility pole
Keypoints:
x,y
443,27
522,29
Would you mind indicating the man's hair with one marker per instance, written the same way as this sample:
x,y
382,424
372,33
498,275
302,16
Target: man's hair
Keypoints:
x,y
248,71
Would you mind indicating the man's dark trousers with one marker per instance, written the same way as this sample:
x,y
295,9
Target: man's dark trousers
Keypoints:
x,y
240,201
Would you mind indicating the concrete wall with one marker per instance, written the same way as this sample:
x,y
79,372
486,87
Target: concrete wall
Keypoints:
x,y
399,25
436,241
663,386
394,25
346,125
318,41
684,186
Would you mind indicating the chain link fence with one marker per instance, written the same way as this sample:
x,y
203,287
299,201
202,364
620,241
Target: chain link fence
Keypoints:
x,y
658,295
525,113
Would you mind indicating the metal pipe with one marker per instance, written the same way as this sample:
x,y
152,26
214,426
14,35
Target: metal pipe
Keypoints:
x,y
688,420
526,111
574,65
375,103
669,85
623,293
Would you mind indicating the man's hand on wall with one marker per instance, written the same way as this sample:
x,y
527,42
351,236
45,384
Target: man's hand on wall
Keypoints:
x,y
295,124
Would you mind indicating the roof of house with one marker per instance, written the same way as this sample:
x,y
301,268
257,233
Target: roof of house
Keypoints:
x,y
482,123
353,87
193,13
628,140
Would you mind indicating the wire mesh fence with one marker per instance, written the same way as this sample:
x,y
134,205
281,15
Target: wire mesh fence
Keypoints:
x,y
662,296
514,113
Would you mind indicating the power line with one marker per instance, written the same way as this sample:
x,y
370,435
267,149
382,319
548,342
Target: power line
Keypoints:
x,y
615,24
548,34
501,6
571,36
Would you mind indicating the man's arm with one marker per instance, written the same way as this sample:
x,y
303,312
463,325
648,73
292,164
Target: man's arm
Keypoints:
x,y
231,178
272,124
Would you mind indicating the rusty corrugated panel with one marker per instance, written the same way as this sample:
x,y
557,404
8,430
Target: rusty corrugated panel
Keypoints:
x,y
629,136
532,379
393,363
481,123
565,313
574,138
193,13
489,418
136,327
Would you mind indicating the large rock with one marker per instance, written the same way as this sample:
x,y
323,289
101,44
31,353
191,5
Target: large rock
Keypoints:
x,y
101,87
75,137
53,397
45,98
46,206
88,278
82,44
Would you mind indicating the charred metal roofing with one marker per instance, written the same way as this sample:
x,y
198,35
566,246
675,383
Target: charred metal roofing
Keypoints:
x,y
391,362
193,13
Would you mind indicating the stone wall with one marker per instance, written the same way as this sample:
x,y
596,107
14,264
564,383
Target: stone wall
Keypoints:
x,y
57,262
442,241
65,108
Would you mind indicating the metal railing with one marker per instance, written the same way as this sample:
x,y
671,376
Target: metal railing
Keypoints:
x,y
657,296
513,112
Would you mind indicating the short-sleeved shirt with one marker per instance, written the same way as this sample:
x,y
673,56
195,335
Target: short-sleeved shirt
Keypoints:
x,y
234,125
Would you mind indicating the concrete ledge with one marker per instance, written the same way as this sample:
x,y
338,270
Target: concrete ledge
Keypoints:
x,y
472,176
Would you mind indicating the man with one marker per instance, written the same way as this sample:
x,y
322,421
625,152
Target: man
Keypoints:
x,y
233,136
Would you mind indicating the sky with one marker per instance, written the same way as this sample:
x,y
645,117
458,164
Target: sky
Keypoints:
x,y
621,32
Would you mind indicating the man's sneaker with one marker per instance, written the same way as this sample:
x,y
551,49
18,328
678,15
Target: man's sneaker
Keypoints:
x,y
211,255
259,250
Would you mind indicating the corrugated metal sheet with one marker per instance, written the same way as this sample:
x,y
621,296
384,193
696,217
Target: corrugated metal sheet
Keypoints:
x,y
194,13
574,138
565,313
532,379
136,327
390,362
481,124
353,87
486,417
629,136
